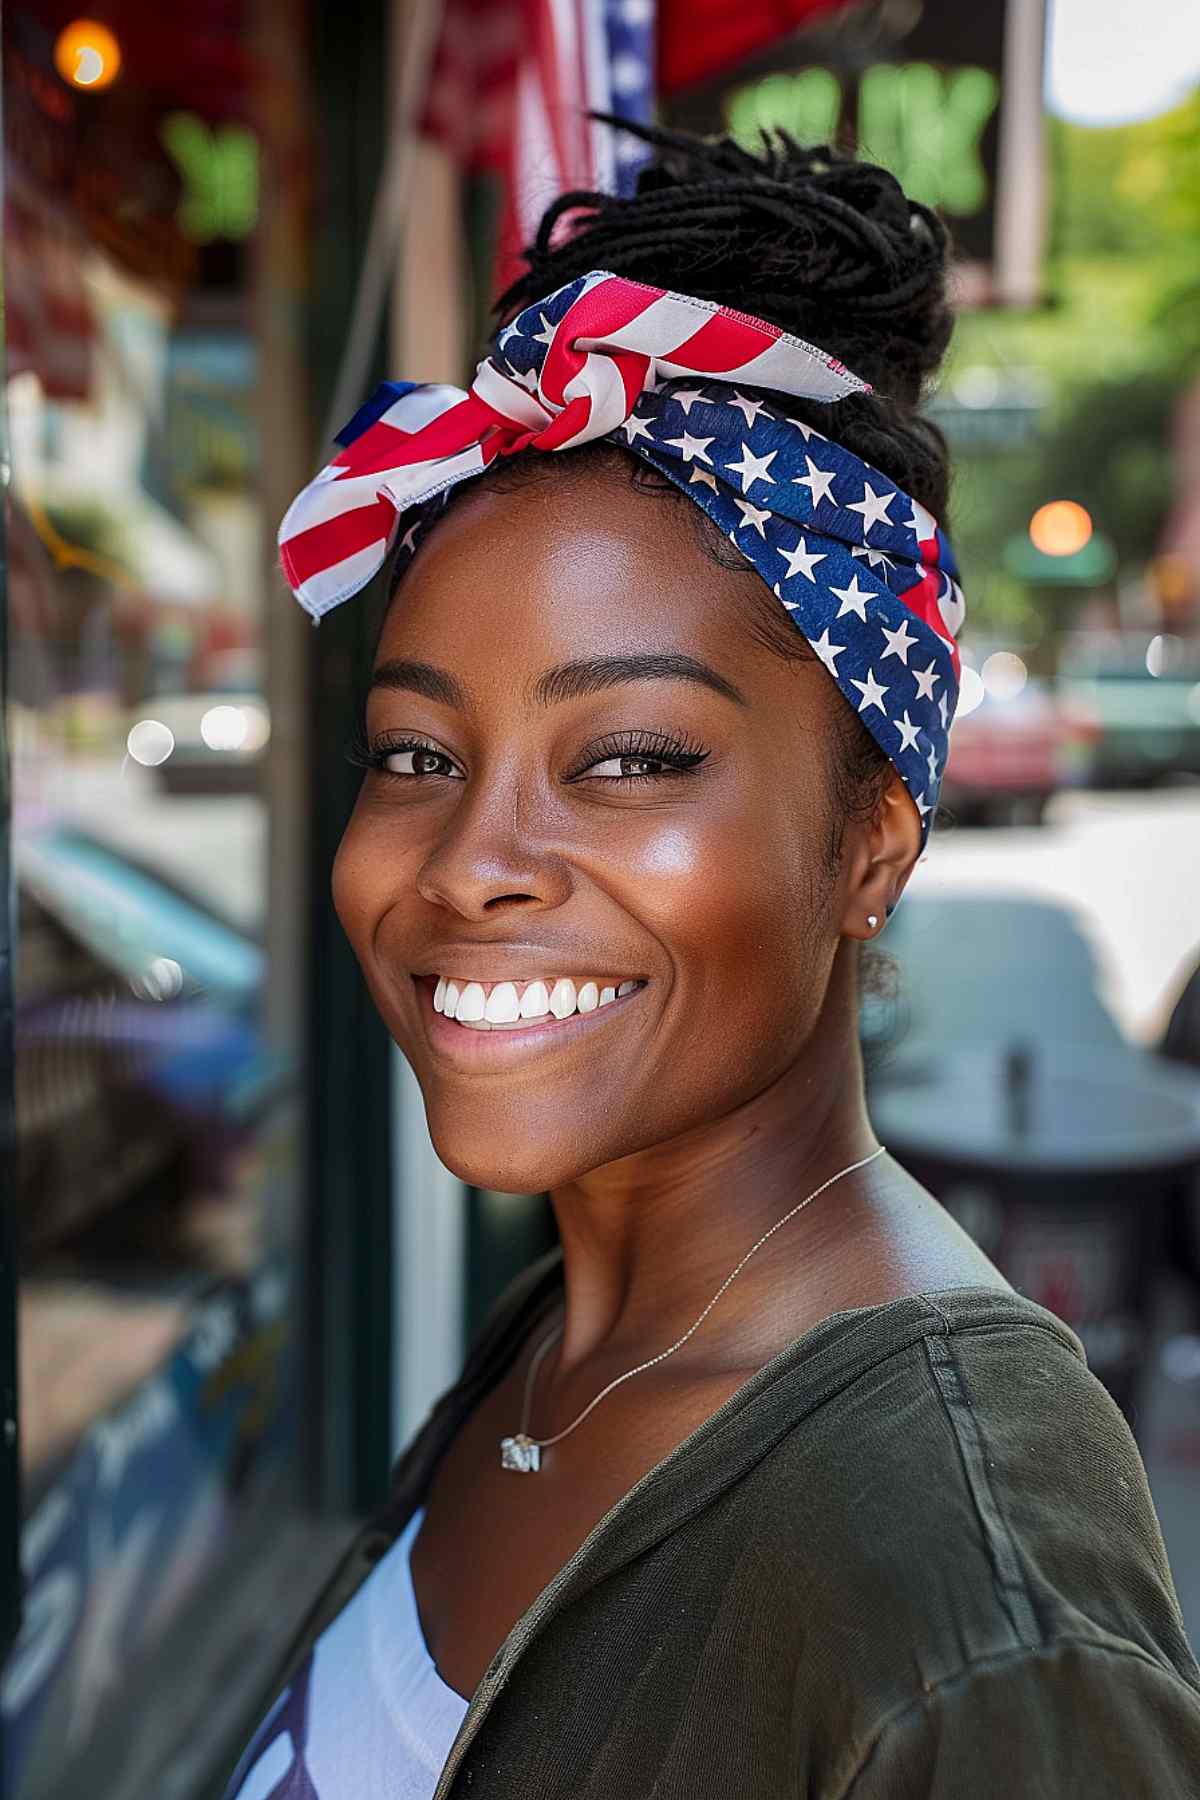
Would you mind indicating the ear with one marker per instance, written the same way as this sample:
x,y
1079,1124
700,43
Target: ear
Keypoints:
x,y
881,855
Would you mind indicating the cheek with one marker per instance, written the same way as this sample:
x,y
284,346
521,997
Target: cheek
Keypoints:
x,y
362,881
741,907
670,855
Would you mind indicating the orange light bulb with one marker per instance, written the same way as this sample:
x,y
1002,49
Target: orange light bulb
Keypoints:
x,y
87,55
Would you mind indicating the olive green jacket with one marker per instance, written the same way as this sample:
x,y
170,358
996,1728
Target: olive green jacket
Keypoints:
x,y
914,1555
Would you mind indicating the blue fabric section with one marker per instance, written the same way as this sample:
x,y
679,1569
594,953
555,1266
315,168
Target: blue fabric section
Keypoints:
x,y
385,395
850,615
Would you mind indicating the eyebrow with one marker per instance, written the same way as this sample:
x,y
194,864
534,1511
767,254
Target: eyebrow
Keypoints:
x,y
566,681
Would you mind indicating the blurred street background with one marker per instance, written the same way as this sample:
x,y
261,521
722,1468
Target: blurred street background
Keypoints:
x,y
234,1276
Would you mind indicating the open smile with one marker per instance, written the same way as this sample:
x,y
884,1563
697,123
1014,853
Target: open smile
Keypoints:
x,y
555,1016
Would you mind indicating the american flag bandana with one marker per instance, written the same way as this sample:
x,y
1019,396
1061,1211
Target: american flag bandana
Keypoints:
x,y
864,571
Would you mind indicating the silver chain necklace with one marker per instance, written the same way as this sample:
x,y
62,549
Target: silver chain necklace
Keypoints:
x,y
523,1454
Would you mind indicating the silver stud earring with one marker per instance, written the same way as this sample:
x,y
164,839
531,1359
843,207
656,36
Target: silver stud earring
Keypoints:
x,y
872,920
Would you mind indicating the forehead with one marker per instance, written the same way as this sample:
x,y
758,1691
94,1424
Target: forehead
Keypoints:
x,y
566,567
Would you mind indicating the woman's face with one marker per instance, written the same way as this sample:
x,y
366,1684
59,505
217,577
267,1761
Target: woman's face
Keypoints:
x,y
613,782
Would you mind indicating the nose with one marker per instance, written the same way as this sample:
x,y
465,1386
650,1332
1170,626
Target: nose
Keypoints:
x,y
489,856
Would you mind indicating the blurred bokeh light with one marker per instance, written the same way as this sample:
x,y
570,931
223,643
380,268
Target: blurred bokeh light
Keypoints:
x,y
150,742
87,55
1060,528
1004,675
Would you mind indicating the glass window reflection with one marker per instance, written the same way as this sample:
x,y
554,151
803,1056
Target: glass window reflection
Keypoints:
x,y
156,1131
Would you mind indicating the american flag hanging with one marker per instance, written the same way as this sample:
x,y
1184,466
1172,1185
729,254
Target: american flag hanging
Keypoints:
x,y
510,90
863,570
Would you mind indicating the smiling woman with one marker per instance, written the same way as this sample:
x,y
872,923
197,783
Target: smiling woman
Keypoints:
x,y
632,801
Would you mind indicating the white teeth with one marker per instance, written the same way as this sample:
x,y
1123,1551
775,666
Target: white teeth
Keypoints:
x,y
507,1007
535,1001
562,1000
470,1003
502,1007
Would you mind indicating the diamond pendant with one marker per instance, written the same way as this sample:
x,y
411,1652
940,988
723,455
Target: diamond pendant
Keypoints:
x,y
520,1453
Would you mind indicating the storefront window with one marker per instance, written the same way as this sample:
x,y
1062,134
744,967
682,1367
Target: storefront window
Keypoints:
x,y
158,1158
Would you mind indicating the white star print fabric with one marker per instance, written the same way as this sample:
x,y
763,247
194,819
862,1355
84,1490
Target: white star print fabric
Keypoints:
x,y
863,570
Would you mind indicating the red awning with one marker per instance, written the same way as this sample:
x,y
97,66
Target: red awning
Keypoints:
x,y
699,38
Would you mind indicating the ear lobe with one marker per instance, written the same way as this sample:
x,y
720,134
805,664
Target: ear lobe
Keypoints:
x,y
890,847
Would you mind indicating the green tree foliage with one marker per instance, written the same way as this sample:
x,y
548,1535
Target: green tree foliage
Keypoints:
x,y
1178,314
1116,343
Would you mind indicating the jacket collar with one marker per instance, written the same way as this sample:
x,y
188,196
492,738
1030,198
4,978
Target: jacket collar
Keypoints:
x,y
713,1458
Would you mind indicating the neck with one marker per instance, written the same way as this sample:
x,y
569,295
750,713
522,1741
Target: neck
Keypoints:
x,y
648,1241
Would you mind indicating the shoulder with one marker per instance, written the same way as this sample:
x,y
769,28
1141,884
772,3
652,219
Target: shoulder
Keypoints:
x,y
970,1493
1076,1717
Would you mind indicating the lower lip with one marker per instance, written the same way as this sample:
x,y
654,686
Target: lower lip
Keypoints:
x,y
500,1048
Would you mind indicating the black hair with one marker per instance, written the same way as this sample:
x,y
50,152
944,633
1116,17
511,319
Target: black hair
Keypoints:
x,y
829,248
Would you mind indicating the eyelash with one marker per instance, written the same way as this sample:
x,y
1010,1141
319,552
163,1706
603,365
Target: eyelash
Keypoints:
x,y
679,754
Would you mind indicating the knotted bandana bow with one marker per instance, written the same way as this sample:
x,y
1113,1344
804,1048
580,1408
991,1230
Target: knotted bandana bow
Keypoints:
x,y
864,571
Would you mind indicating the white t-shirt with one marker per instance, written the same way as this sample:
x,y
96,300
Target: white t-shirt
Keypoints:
x,y
367,1716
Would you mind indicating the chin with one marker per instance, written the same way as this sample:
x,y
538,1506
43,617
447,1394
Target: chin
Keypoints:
x,y
532,1140
504,1168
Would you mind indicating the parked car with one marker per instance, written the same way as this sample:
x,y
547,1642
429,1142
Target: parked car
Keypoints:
x,y
1149,721
1011,753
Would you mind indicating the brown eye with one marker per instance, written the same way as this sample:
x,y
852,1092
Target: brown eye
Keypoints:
x,y
412,762
417,759
615,768
641,756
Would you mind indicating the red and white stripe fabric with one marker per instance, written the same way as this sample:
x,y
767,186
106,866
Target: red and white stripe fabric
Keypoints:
x,y
617,339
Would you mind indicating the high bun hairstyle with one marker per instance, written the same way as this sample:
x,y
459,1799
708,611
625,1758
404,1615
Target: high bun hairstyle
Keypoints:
x,y
829,248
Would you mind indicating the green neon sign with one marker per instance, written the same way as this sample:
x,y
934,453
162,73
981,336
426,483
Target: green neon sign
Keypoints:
x,y
807,104
219,168
923,123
